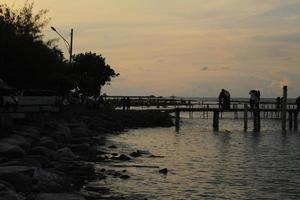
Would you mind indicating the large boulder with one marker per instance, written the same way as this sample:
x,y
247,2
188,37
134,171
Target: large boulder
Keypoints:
x,y
11,151
44,151
7,192
83,147
31,132
48,181
48,142
59,196
18,140
18,176
65,154
80,131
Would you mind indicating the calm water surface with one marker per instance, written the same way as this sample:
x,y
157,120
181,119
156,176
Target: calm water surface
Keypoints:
x,y
203,164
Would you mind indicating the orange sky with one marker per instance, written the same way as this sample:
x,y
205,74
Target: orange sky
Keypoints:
x,y
186,47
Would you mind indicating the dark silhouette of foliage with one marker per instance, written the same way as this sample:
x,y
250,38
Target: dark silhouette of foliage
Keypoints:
x,y
27,62
90,72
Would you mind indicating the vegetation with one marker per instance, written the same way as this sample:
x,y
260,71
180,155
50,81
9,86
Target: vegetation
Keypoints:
x,y
27,61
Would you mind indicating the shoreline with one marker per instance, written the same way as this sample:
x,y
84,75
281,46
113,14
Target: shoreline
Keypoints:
x,y
51,155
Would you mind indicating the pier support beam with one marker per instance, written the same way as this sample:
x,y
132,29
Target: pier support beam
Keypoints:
x,y
296,121
177,119
256,120
245,117
283,114
290,121
216,121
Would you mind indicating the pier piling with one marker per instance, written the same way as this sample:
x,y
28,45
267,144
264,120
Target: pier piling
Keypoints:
x,y
216,121
283,114
245,117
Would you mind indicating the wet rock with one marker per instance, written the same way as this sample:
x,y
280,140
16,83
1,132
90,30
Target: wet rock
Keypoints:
x,y
112,147
48,142
31,132
18,140
44,162
135,154
62,134
123,157
11,151
18,176
47,181
124,176
163,171
81,131
102,170
43,151
83,147
7,192
59,196
65,154
94,187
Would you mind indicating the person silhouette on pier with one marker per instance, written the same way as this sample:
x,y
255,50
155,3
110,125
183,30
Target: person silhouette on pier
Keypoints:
x,y
254,99
278,103
224,99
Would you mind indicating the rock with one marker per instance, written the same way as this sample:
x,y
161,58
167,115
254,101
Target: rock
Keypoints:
x,y
11,151
18,140
65,154
44,151
7,192
83,147
124,176
48,142
62,134
31,132
44,162
81,131
94,187
47,181
18,176
123,157
59,196
163,171
135,154
112,147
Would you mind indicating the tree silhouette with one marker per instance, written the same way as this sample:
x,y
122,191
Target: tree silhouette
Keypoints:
x,y
27,62
90,72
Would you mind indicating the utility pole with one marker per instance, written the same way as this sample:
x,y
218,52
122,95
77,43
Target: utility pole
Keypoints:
x,y
71,48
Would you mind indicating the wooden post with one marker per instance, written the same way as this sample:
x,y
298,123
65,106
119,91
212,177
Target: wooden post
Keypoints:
x,y
256,120
296,121
245,117
235,112
283,114
216,121
290,121
177,119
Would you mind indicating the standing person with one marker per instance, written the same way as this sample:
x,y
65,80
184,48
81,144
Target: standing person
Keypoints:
x,y
221,99
227,99
278,103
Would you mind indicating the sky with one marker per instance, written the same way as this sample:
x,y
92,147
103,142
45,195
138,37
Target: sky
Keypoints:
x,y
185,47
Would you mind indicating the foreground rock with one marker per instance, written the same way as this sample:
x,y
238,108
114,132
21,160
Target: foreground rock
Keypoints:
x,y
59,196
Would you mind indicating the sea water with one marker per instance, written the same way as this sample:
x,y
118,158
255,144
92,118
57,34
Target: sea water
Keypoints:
x,y
203,164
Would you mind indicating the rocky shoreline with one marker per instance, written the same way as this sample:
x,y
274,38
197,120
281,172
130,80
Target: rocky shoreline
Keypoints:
x,y
51,156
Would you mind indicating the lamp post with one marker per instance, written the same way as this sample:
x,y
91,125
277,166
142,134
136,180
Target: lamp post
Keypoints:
x,y
69,45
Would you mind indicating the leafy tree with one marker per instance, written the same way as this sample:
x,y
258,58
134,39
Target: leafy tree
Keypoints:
x,y
90,72
26,61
